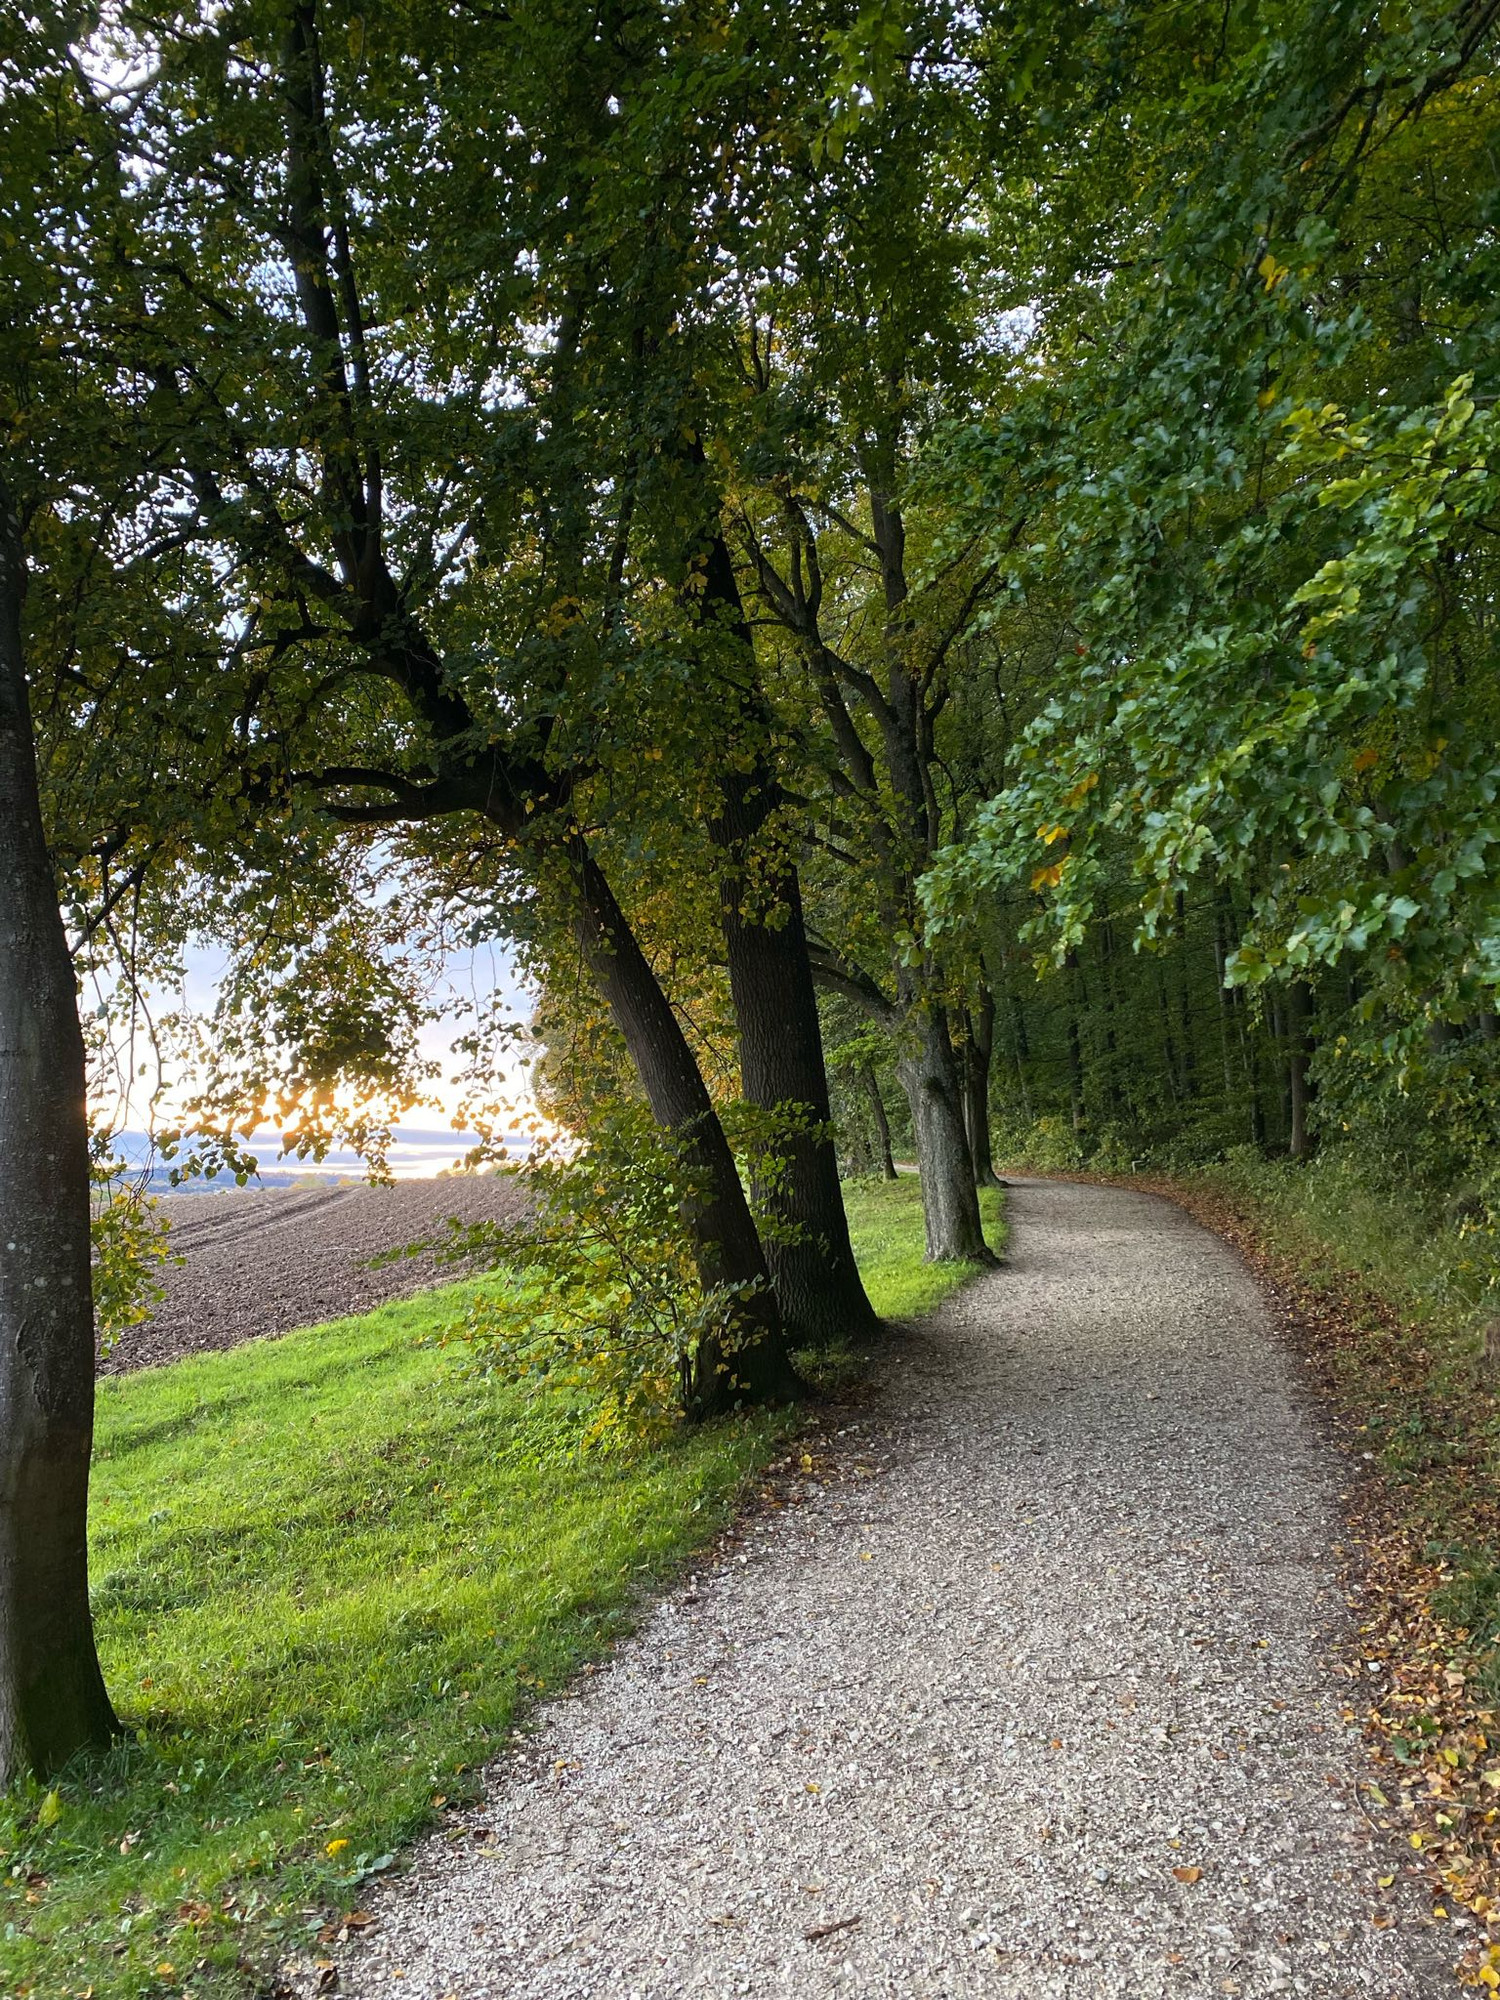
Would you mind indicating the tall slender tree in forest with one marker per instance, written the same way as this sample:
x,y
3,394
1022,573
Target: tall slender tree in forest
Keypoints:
x,y
861,307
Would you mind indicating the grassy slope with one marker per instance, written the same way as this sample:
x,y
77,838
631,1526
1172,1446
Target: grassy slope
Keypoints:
x,y
885,1220
330,1570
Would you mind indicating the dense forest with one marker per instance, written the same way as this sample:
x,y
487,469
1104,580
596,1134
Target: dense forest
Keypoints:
x,y
928,568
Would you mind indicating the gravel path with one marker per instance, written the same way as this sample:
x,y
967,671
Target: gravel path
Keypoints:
x,y
264,1260
1030,1702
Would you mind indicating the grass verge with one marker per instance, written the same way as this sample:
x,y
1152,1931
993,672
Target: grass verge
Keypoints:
x,y
331,1571
1383,1302
885,1221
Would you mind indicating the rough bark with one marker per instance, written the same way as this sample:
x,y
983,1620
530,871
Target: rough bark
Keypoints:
x,y
811,1259
1299,1083
1074,1042
816,1279
1232,1002
928,1071
1021,1050
727,1248
1188,1041
52,1697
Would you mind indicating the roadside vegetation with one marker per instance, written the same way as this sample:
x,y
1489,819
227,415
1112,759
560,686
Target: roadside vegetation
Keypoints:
x,y
1382,1286
331,1572
925,571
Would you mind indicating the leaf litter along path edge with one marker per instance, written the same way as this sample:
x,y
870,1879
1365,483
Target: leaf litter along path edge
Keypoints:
x,y
1036,1691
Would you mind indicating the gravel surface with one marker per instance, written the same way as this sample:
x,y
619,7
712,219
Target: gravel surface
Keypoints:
x,y
261,1261
1031,1700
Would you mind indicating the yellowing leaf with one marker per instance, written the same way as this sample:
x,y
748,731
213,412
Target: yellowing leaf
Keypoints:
x,y
49,1812
1047,878
335,1847
1271,271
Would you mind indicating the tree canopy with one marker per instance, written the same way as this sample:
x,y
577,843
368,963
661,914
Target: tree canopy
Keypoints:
x,y
978,520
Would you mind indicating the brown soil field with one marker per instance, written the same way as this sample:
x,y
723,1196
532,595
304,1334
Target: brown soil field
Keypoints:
x,y
262,1261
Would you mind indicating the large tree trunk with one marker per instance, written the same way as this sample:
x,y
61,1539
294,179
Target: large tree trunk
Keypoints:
x,y
52,1697
817,1281
818,1286
979,1048
928,1070
757,1368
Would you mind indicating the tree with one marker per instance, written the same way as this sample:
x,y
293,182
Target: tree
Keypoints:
x,y
1256,404
430,583
52,1696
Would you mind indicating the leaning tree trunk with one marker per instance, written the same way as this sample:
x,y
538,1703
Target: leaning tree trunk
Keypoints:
x,y
817,1282
929,1074
756,1368
52,1697
879,1120
979,1049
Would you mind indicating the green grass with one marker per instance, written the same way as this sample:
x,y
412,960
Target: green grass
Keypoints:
x,y
885,1220
1327,1215
330,1572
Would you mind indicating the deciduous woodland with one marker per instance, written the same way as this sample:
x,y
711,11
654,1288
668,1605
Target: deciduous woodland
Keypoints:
x,y
928,569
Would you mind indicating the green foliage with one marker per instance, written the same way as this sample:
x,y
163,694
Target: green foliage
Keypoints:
x,y
130,1244
599,1294
1350,1210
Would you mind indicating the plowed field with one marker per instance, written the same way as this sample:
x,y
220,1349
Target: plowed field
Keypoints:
x,y
262,1261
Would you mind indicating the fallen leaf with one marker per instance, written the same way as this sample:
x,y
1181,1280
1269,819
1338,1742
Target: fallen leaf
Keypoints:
x,y
827,1930
1188,1874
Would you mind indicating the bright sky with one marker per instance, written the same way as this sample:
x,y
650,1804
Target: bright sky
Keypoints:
x,y
425,1140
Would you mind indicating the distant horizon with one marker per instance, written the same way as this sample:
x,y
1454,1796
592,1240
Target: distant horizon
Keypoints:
x,y
416,1153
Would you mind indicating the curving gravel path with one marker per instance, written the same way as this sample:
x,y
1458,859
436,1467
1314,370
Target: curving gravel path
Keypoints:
x,y
1030,1702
